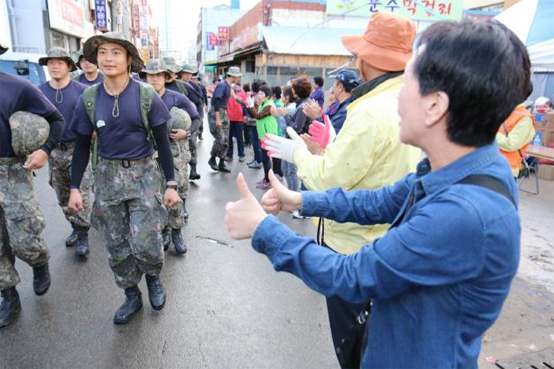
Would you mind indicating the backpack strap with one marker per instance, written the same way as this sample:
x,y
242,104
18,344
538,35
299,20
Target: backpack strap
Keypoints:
x,y
89,100
490,183
146,96
181,86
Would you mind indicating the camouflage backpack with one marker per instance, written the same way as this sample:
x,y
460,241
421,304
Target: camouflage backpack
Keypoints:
x,y
29,132
146,95
181,87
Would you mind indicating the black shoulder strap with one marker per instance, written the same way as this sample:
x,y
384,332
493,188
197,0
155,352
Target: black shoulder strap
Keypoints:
x,y
490,183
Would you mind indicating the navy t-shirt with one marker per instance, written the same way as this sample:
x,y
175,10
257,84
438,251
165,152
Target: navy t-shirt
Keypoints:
x,y
173,87
18,94
69,96
85,81
172,98
221,95
123,137
194,95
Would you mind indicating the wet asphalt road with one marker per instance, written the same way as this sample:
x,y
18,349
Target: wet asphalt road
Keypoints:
x,y
226,307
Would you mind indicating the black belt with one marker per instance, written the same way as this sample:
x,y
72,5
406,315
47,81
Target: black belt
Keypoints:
x,y
127,163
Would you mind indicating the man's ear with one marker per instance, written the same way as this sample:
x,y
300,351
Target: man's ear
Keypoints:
x,y
436,107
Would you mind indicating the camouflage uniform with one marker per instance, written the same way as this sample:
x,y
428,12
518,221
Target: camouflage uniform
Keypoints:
x,y
60,170
221,137
21,222
128,214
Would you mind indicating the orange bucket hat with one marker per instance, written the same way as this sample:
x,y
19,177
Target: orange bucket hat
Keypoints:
x,y
386,43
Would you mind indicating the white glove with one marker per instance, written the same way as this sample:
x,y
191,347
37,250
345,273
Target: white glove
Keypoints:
x,y
249,102
283,148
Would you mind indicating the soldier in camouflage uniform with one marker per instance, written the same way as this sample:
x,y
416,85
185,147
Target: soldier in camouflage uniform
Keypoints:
x,y
64,93
128,116
25,143
218,120
179,125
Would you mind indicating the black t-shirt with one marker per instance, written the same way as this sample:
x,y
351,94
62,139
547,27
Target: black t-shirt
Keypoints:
x,y
69,96
172,98
123,137
17,94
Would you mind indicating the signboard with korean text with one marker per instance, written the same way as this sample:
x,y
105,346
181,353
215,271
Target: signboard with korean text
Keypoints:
x,y
101,15
223,33
425,10
67,16
211,41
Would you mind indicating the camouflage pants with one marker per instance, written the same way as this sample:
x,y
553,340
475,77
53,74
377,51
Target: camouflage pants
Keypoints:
x,y
221,136
21,222
60,170
128,215
193,141
175,217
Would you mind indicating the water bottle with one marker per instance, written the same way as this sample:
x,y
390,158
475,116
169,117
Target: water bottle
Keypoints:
x,y
537,140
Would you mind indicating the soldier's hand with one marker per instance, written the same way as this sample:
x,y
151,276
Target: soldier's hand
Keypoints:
x,y
242,217
36,160
171,198
218,126
279,198
75,200
178,134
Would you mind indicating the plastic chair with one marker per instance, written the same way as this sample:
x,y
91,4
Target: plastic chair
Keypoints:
x,y
531,167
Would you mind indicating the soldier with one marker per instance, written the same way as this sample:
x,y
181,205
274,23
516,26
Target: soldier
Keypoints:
x,y
156,74
64,93
196,78
197,97
127,116
218,121
21,222
91,75
172,82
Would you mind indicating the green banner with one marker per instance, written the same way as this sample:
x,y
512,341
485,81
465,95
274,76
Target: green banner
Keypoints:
x,y
425,10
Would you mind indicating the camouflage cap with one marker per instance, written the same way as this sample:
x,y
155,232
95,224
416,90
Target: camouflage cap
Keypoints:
x,y
185,68
3,49
58,53
180,119
154,66
234,72
171,64
80,57
29,132
91,48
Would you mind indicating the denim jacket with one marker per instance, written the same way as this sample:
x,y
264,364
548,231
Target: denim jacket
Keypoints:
x,y
437,281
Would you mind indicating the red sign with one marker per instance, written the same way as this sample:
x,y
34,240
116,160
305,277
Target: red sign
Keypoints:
x,y
223,33
212,39
71,12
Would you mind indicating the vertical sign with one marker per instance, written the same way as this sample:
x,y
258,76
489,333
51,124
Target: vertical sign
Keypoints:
x,y
211,40
223,33
101,16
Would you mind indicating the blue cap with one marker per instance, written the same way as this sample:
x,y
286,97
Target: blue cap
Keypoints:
x,y
349,79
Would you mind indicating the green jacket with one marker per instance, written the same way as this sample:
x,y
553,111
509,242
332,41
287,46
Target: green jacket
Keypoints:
x,y
267,124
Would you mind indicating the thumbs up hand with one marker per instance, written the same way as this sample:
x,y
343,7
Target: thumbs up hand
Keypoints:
x,y
282,148
280,198
242,217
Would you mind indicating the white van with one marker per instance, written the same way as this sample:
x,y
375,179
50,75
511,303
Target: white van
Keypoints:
x,y
24,65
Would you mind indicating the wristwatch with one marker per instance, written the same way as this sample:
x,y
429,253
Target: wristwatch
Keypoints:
x,y
173,187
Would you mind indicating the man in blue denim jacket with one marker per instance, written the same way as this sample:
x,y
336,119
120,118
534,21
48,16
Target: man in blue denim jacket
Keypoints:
x,y
439,277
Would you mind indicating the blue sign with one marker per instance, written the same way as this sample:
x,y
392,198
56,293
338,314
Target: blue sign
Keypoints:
x,y
101,15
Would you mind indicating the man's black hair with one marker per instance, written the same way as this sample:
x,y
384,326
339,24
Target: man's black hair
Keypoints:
x,y
256,85
246,87
276,90
319,81
483,68
266,90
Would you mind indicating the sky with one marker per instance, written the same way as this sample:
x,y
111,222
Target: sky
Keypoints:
x,y
186,13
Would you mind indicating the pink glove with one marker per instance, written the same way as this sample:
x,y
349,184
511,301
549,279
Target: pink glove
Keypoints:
x,y
322,134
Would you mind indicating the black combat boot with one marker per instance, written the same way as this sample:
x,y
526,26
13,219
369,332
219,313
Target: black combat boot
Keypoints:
x,y
41,279
82,242
10,307
213,164
72,239
193,173
132,304
156,292
166,237
178,241
185,212
222,167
